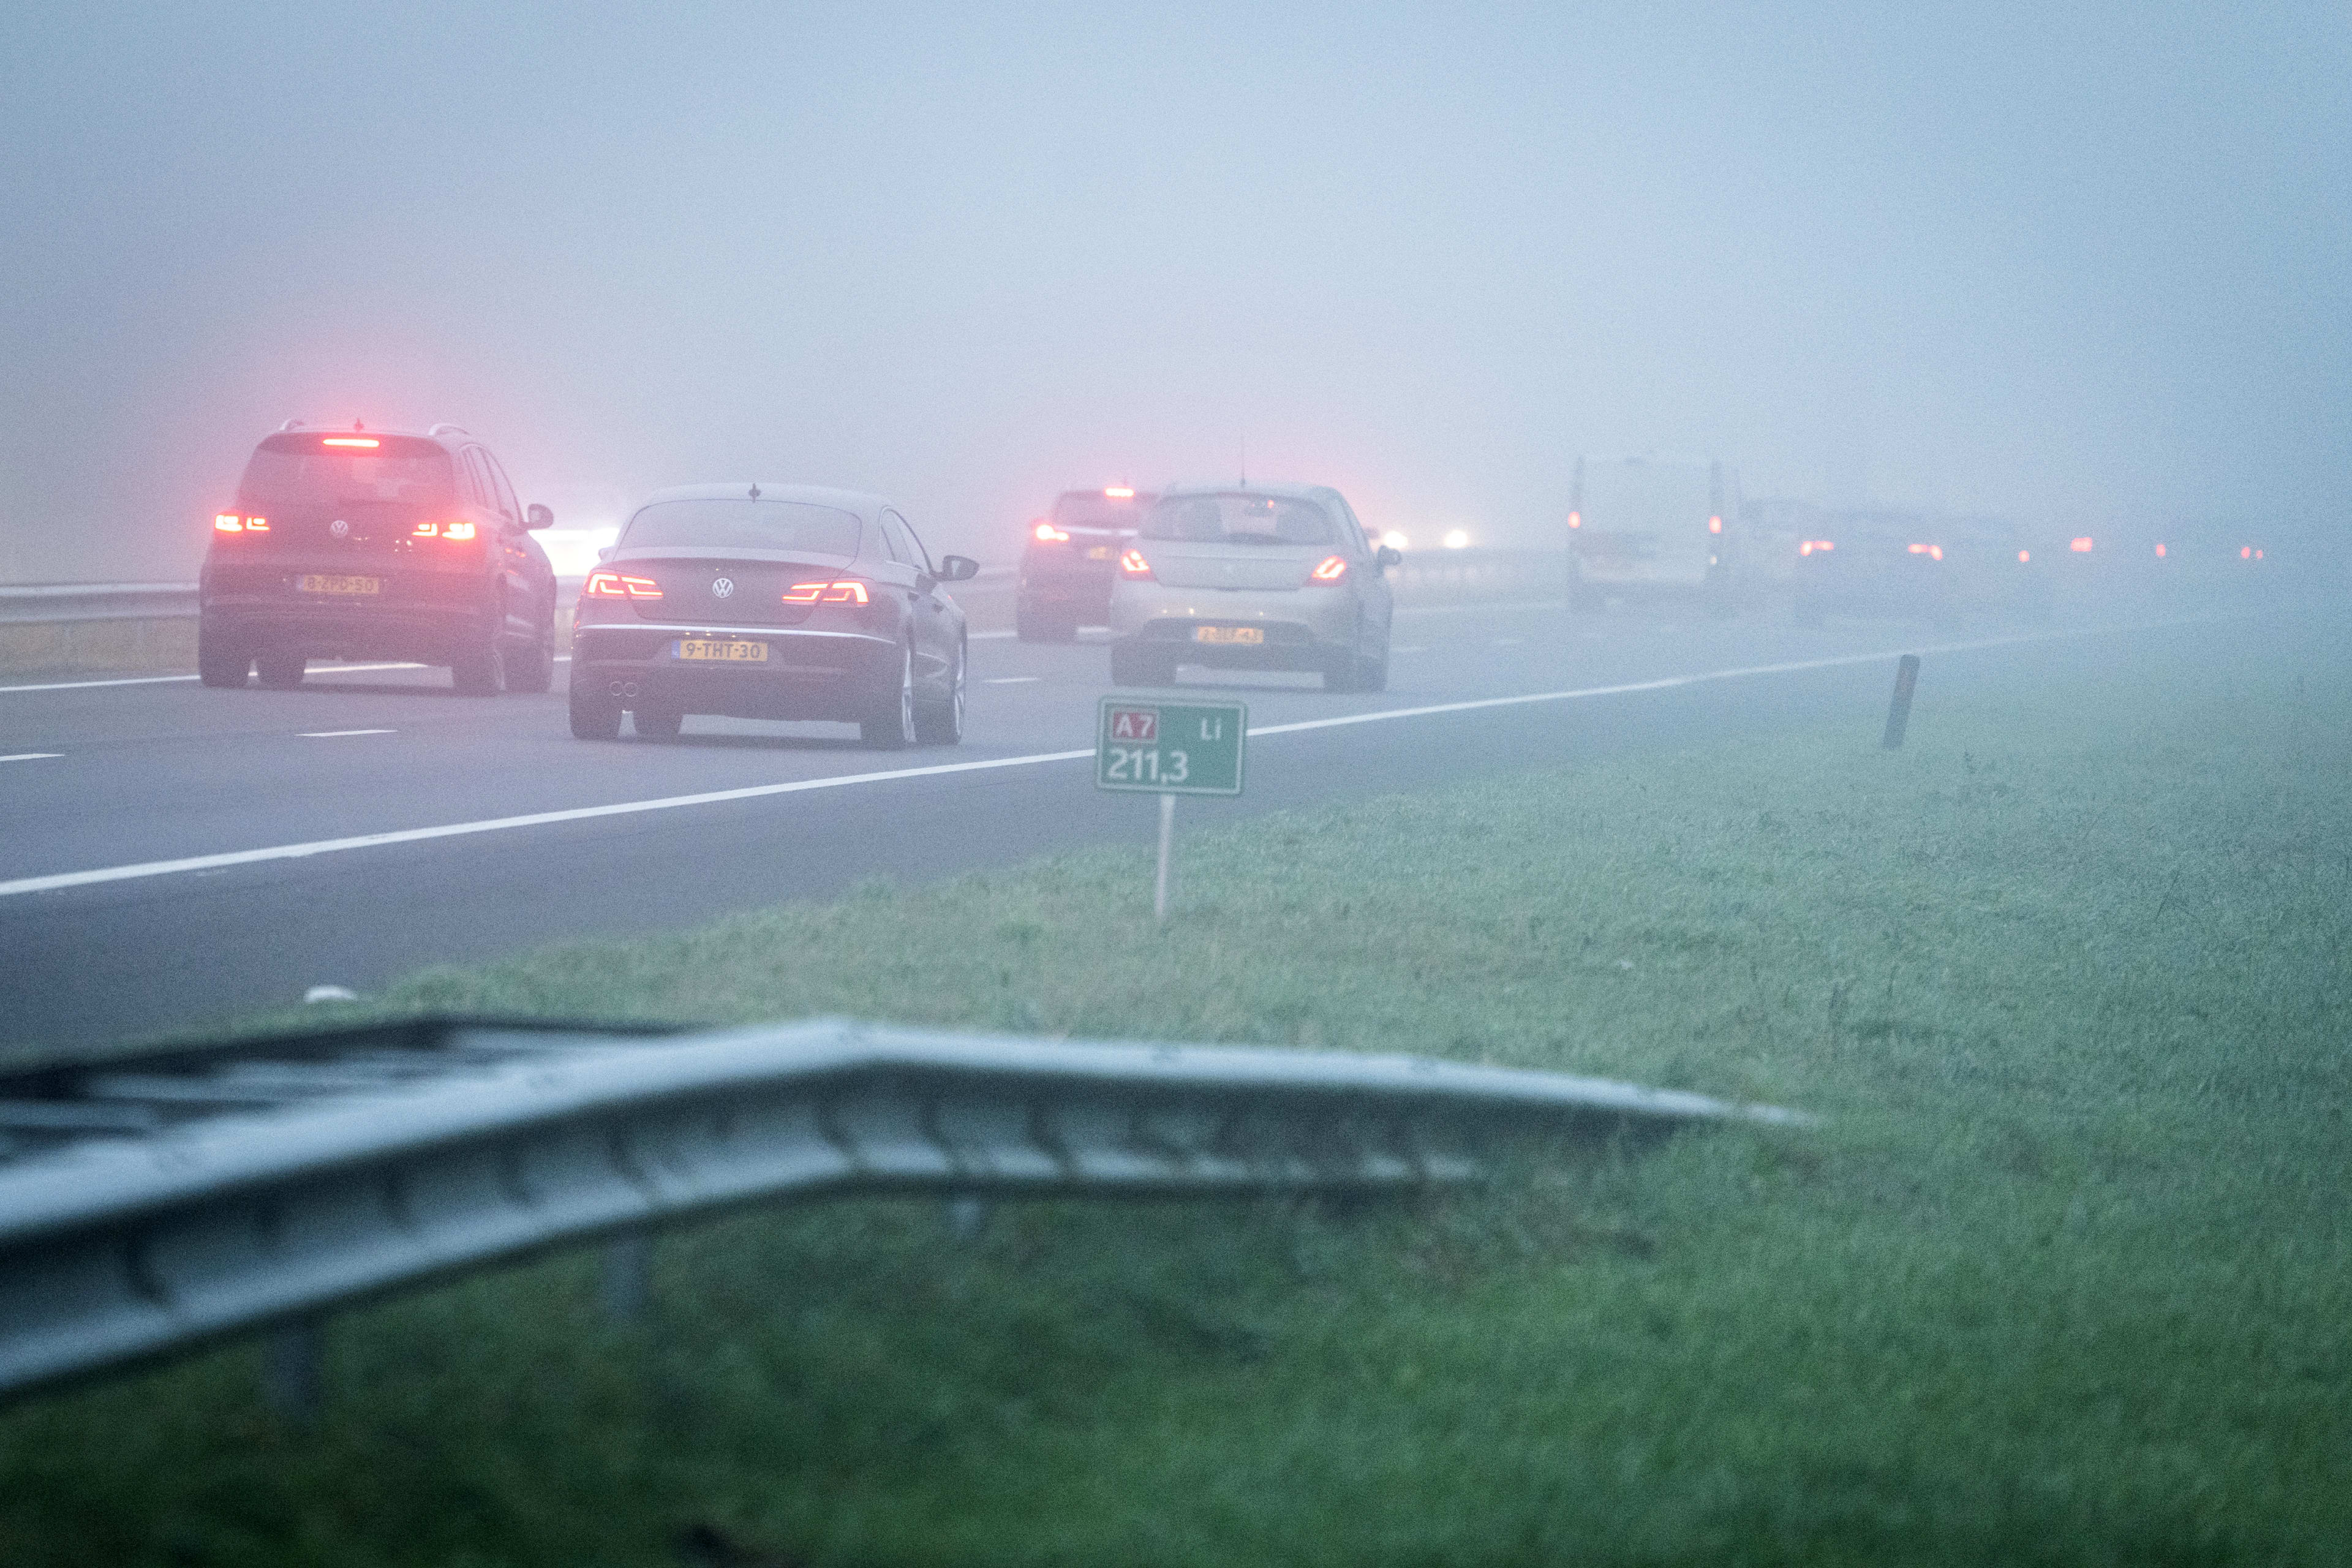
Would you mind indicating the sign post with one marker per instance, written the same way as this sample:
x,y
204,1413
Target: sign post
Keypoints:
x,y
1169,749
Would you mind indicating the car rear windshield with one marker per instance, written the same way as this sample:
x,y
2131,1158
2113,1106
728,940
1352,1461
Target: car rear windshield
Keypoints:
x,y
1239,518
728,523
294,471
1092,509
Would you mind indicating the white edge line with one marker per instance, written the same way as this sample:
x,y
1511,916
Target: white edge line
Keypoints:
x,y
31,756
161,680
338,734
841,780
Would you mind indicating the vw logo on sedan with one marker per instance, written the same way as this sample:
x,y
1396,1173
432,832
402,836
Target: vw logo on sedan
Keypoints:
x,y
722,587
340,529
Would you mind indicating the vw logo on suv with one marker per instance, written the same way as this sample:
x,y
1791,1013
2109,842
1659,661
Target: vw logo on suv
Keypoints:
x,y
722,587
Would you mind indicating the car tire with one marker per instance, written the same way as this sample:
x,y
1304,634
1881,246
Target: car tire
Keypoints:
x,y
941,723
531,667
1372,672
657,723
219,663
480,670
594,716
1037,625
281,671
890,726
1133,665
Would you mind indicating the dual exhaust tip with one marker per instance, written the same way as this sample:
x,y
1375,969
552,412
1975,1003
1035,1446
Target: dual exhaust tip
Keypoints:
x,y
625,689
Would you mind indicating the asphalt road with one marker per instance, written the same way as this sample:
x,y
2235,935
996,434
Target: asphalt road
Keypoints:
x,y
108,790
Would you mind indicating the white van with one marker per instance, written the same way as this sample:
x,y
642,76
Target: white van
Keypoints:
x,y
1651,529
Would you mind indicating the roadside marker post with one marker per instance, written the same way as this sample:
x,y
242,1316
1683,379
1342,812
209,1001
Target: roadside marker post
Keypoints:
x,y
1898,712
1169,749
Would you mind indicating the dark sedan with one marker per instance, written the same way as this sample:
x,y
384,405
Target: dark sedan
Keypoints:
x,y
771,602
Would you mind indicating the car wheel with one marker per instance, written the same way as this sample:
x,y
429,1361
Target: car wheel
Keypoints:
x,y
942,723
594,716
531,667
480,670
657,723
281,671
891,726
218,664
1371,672
1041,625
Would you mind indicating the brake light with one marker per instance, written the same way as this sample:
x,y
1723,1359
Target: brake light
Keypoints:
x,y
1119,493
1932,552
1576,519
229,522
614,585
457,530
1133,565
368,441
1331,569
1806,547
2159,553
2023,556
1046,533
846,591
1715,525
2080,546
257,525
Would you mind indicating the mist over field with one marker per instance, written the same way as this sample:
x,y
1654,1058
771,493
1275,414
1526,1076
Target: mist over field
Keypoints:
x,y
2076,263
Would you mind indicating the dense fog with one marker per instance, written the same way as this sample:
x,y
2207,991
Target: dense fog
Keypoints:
x,y
2078,263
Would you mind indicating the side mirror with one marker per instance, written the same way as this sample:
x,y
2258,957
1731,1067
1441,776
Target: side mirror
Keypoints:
x,y
1386,556
536,517
958,568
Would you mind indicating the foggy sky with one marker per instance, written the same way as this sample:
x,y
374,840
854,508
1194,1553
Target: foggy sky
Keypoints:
x,y
2058,262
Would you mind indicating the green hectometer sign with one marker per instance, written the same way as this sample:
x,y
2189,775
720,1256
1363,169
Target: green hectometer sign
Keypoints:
x,y
1170,747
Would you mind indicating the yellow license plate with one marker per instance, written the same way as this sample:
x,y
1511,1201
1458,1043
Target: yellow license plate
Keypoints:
x,y
725,652
319,582
1099,552
1228,634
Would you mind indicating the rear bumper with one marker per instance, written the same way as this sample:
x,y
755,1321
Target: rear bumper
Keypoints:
x,y
1050,583
425,633
827,675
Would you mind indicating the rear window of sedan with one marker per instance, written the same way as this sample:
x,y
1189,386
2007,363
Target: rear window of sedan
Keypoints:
x,y
1239,518
728,523
291,470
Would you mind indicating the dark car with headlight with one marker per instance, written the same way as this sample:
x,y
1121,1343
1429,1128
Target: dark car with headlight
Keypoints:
x,y
785,602
1070,559
1915,565
388,544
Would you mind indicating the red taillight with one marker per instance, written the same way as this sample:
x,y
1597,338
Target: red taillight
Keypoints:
x,y
1331,569
1576,519
1808,546
614,585
1133,565
1932,552
844,591
367,441
1715,525
231,522
2080,546
457,530
2023,556
1046,533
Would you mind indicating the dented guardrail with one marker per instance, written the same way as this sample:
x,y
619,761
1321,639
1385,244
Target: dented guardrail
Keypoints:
x,y
150,1205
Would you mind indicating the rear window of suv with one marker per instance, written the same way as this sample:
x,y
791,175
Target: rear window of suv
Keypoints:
x,y
731,525
293,470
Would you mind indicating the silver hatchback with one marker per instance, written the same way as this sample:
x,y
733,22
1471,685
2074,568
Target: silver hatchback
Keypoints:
x,y
1252,578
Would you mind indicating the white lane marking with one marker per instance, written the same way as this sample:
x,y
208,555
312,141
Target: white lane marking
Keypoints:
x,y
1010,679
167,680
501,823
982,637
842,781
31,756
337,734
1484,606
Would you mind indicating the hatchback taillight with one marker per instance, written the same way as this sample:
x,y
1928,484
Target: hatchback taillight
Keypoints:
x,y
1046,533
1133,565
233,523
614,585
1331,569
457,530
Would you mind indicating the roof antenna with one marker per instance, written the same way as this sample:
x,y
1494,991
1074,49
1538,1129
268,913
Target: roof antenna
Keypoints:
x,y
755,492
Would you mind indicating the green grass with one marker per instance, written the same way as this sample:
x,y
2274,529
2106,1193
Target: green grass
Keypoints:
x,y
2062,1277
